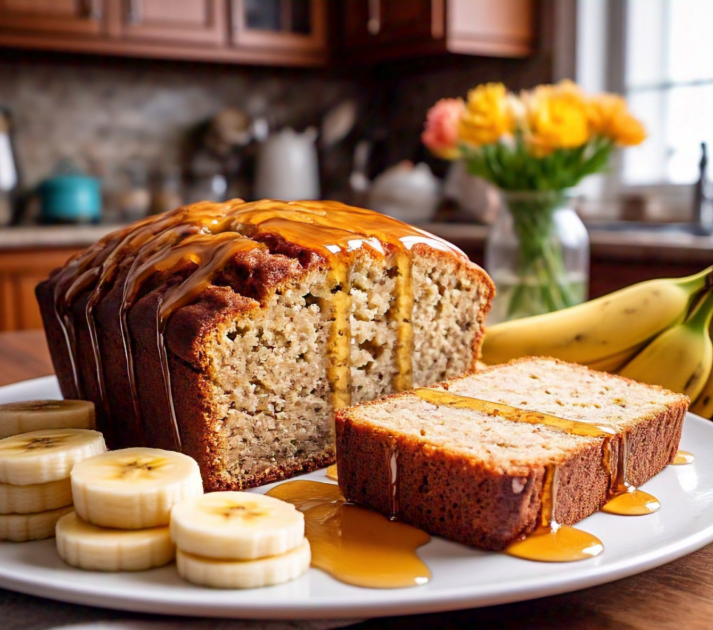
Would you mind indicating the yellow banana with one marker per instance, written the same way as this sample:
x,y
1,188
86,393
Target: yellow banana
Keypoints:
x,y
680,358
601,328
616,361
703,405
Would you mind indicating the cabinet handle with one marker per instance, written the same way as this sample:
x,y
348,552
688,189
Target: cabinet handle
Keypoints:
x,y
438,19
94,9
133,11
236,15
374,23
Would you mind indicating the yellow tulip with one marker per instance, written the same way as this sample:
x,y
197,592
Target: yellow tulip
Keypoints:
x,y
610,117
487,115
556,118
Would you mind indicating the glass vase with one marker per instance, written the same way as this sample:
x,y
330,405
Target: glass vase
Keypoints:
x,y
537,253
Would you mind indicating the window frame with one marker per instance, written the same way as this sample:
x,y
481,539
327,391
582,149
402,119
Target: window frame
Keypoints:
x,y
670,201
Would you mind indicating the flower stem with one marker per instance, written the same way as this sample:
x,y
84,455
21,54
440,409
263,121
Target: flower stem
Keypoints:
x,y
544,286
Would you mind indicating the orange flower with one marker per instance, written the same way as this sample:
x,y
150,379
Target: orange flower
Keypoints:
x,y
488,116
556,118
610,117
441,129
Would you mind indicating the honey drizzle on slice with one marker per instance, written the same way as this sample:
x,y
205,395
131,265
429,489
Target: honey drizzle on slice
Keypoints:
x,y
328,228
392,465
623,498
551,541
514,414
682,458
356,545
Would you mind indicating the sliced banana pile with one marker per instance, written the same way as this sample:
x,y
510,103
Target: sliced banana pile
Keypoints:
x,y
123,501
39,415
34,479
239,540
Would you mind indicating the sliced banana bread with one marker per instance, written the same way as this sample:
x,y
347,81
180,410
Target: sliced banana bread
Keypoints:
x,y
232,331
476,475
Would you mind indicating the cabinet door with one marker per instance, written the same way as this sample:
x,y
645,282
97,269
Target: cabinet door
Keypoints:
x,y
491,27
20,272
79,17
174,21
298,25
392,22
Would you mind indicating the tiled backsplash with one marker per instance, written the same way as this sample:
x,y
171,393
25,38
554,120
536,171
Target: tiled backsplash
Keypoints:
x,y
104,114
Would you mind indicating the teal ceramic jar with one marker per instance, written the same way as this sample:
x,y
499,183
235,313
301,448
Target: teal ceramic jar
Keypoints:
x,y
70,198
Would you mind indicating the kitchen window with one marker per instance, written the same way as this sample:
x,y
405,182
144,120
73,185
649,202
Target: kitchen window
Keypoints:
x,y
659,54
668,81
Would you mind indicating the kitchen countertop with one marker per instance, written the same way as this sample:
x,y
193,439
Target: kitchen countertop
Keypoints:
x,y
52,236
624,245
636,245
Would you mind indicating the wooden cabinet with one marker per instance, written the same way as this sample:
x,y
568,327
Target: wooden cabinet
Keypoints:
x,y
20,271
385,23
172,21
69,17
297,25
275,32
491,27
374,30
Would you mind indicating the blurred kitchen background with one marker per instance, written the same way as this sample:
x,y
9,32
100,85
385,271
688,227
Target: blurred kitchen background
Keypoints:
x,y
115,109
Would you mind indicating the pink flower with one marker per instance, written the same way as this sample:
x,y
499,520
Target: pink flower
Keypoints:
x,y
440,132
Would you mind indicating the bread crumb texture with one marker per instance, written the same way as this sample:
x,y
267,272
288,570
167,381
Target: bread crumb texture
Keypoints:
x,y
268,369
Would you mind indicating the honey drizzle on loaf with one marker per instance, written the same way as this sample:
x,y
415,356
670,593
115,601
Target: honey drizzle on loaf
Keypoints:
x,y
201,239
622,497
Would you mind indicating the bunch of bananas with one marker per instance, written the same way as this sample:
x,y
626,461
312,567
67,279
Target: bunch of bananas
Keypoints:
x,y
656,332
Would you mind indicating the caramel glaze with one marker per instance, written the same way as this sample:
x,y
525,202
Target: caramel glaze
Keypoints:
x,y
194,243
392,464
332,473
551,541
353,544
682,458
622,498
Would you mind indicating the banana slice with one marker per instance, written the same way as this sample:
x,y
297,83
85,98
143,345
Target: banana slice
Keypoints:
x,y
40,415
245,573
36,498
44,456
236,526
133,488
93,548
24,527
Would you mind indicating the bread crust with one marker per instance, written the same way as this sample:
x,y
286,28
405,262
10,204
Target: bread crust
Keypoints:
x,y
449,494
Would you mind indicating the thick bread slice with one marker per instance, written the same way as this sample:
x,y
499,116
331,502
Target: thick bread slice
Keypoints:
x,y
478,478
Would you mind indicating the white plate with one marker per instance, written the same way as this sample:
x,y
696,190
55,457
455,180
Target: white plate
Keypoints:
x,y
462,577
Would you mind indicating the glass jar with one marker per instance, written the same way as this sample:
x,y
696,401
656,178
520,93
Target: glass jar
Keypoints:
x,y
537,254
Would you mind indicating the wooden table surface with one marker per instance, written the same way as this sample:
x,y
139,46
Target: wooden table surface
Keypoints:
x,y
678,595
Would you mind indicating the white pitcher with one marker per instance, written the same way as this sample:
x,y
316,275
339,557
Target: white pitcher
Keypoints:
x,y
287,167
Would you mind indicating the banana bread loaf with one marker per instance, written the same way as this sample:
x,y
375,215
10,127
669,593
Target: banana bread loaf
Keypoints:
x,y
232,331
441,459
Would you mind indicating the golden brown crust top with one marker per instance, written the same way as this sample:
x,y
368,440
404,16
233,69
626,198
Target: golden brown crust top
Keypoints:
x,y
203,238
